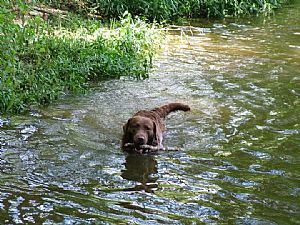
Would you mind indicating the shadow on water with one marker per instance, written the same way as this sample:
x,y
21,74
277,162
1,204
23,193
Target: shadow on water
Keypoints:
x,y
240,163
142,169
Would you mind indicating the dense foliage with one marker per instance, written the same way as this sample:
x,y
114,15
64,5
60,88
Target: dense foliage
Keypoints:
x,y
170,9
40,60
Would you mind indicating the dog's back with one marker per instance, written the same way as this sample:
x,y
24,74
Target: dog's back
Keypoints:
x,y
164,110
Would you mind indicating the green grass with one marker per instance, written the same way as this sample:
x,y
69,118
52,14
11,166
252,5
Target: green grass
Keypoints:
x,y
42,60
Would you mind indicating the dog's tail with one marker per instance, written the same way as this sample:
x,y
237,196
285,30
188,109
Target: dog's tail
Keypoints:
x,y
164,110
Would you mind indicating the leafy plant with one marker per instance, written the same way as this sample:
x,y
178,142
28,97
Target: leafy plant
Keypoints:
x,y
41,60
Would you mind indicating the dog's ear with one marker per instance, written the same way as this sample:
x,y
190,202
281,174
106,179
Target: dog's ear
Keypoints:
x,y
157,134
125,126
126,136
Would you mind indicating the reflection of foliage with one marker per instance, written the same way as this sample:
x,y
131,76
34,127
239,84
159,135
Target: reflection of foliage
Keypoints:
x,y
170,9
40,60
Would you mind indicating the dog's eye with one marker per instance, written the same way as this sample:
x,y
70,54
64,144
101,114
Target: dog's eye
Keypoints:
x,y
148,128
135,125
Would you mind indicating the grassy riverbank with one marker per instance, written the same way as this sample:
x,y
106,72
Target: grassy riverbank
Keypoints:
x,y
43,58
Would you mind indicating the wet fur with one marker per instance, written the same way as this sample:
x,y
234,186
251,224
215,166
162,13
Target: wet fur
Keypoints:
x,y
147,126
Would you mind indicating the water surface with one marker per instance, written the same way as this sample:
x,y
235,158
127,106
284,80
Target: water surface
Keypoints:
x,y
240,160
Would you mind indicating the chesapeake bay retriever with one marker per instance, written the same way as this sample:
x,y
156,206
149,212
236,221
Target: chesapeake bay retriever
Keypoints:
x,y
147,126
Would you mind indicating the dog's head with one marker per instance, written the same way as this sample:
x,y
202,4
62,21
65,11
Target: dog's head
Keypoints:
x,y
140,130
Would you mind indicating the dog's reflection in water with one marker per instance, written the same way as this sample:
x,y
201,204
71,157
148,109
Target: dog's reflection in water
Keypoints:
x,y
141,168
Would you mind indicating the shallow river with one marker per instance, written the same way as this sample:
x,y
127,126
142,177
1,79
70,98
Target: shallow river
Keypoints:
x,y
240,157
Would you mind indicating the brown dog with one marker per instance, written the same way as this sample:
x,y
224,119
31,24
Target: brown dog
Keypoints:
x,y
146,127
